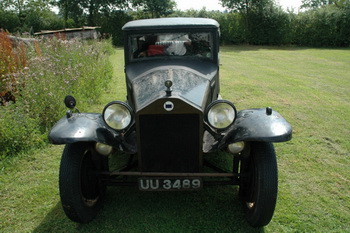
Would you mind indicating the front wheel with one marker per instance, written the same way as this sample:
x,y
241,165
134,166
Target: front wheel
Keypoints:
x,y
81,192
259,183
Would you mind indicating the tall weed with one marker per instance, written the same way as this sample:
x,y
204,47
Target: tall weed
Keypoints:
x,y
55,68
12,60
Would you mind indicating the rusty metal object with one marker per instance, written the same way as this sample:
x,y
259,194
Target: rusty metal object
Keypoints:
x,y
6,97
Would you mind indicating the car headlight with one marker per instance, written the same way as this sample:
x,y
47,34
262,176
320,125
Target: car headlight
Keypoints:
x,y
118,115
221,114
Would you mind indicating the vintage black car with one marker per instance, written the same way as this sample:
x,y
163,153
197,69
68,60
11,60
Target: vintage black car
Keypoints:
x,y
172,118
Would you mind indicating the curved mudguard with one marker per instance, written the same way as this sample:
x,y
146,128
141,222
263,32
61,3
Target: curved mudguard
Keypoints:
x,y
258,125
82,127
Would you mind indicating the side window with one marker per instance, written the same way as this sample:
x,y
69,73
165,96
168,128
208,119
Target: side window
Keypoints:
x,y
133,45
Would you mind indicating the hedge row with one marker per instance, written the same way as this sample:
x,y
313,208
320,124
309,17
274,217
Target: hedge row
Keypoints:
x,y
270,25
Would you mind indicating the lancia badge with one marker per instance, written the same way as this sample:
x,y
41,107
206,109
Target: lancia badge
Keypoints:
x,y
169,106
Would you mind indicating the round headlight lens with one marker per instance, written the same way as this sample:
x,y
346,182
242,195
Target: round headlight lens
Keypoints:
x,y
117,115
221,114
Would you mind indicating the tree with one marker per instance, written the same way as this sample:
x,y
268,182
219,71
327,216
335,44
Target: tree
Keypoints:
x,y
254,16
244,7
97,7
71,10
156,8
324,26
78,10
9,20
20,6
112,26
320,3
26,15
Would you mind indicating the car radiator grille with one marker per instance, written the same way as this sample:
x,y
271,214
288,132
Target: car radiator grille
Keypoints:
x,y
170,143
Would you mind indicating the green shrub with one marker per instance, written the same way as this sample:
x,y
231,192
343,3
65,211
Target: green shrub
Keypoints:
x,y
56,68
18,132
112,25
9,20
268,26
326,26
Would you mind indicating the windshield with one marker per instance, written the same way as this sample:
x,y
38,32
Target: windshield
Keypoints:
x,y
186,44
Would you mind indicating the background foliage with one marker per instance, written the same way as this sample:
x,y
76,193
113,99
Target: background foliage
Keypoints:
x,y
259,22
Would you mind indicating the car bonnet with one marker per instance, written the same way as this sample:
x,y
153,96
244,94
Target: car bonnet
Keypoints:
x,y
188,84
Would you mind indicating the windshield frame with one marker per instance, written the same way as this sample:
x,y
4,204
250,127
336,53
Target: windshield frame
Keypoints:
x,y
212,33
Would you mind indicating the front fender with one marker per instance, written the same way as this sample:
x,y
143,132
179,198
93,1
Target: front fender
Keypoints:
x,y
258,125
82,127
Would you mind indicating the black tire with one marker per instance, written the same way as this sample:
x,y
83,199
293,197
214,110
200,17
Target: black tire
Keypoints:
x,y
81,192
259,187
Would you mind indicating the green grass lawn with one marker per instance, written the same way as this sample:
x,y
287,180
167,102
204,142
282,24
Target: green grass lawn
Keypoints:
x,y
309,87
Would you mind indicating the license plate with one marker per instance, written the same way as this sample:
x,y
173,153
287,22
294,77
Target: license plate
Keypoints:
x,y
169,184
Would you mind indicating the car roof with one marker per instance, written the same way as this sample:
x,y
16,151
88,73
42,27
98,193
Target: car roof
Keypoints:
x,y
166,23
